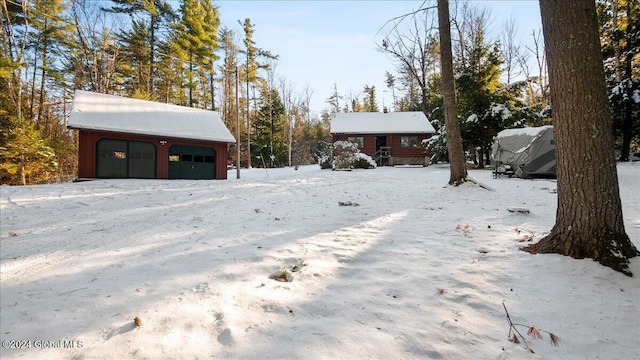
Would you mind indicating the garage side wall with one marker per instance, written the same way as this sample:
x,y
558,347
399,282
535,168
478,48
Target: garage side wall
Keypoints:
x,y
88,139
86,159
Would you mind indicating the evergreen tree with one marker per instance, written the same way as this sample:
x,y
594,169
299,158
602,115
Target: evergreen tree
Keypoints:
x,y
141,42
390,82
252,54
14,43
33,139
370,103
437,144
50,30
212,24
312,141
170,69
230,63
356,106
334,100
619,23
268,139
24,157
134,69
411,100
195,42
482,98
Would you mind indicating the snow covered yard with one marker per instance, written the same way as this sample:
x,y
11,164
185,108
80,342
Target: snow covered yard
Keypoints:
x,y
389,264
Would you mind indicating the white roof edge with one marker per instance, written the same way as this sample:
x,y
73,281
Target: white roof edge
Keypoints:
x,y
151,133
405,122
110,113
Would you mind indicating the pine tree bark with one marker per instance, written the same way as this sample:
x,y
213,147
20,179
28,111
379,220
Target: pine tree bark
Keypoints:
x,y
589,222
457,164
627,125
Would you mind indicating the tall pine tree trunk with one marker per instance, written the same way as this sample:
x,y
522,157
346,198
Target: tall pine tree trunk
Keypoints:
x,y
457,164
627,124
190,80
152,49
589,221
248,123
43,78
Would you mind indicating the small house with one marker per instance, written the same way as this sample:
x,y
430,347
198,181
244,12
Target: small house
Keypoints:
x,y
390,138
128,138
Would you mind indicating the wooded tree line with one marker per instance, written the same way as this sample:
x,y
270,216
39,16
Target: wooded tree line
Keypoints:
x,y
148,49
500,83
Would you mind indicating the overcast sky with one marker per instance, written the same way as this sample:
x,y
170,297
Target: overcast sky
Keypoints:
x,y
320,43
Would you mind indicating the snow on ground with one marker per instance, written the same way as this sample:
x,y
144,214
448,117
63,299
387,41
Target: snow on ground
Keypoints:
x,y
392,264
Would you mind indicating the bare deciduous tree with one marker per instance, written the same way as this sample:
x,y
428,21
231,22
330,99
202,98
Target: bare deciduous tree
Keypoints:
x,y
510,50
415,51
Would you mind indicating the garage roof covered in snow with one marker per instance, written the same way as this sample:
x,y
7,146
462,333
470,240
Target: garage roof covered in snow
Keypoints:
x,y
411,122
93,111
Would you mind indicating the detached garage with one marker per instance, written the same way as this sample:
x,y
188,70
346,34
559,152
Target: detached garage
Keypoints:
x,y
129,138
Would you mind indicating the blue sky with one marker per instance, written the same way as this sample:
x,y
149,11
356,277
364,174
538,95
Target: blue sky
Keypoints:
x,y
320,43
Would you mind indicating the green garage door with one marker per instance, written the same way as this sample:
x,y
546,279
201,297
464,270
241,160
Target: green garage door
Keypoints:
x,y
122,159
192,162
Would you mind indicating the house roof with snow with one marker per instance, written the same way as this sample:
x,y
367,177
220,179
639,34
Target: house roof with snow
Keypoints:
x,y
94,111
410,122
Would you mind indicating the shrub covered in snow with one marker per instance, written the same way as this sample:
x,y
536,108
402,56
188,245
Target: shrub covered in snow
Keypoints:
x,y
437,146
325,162
324,157
364,161
346,155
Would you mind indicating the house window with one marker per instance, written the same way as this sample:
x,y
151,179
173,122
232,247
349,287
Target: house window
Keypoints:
x,y
358,140
408,141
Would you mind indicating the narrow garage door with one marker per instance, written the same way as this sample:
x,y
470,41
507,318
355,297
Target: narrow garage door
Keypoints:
x,y
125,159
192,162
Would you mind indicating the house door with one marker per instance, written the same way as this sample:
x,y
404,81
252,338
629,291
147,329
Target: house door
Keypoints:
x,y
380,142
382,151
